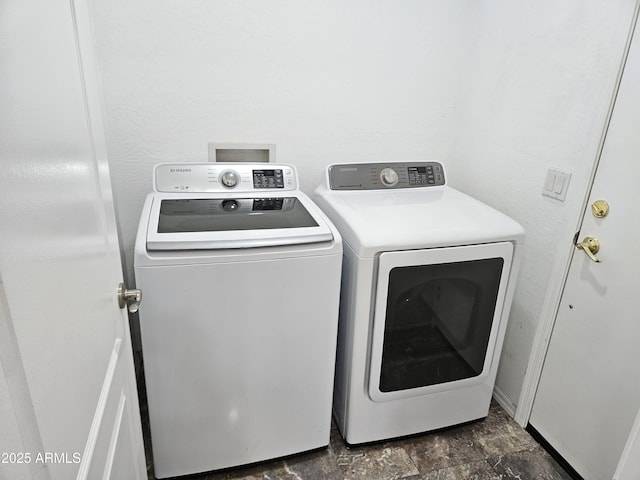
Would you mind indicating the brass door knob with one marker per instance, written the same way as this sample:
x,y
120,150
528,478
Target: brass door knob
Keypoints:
x,y
590,246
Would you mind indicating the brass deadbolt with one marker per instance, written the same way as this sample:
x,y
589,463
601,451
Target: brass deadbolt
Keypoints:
x,y
600,208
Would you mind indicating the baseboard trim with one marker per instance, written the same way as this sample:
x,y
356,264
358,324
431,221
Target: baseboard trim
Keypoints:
x,y
504,401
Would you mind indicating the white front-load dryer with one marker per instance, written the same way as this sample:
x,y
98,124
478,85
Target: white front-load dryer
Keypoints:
x,y
428,278
240,274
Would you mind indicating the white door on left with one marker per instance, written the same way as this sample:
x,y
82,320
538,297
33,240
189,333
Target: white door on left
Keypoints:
x,y
68,400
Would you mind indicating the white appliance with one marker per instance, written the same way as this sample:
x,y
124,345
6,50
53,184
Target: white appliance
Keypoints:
x,y
428,278
240,273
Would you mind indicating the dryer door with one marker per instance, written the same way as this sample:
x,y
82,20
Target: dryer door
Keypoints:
x,y
436,318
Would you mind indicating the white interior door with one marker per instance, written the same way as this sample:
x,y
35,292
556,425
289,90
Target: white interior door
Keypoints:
x,y
589,391
68,401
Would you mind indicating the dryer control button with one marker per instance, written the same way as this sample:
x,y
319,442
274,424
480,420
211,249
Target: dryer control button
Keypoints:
x,y
229,178
389,176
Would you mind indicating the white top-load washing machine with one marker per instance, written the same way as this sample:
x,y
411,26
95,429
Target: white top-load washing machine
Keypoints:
x,y
428,278
240,274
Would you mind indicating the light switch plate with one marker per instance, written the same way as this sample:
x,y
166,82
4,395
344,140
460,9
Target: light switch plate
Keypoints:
x,y
556,184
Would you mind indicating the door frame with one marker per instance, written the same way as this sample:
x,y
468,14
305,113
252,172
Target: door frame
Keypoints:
x,y
564,253
629,463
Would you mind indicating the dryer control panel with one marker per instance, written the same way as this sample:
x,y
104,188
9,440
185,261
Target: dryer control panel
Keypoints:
x,y
373,176
224,177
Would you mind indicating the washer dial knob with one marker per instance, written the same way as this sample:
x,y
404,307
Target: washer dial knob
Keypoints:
x,y
389,177
229,178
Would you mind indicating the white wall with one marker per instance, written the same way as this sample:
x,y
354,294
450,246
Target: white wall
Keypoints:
x,y
325,81
499,90
536,91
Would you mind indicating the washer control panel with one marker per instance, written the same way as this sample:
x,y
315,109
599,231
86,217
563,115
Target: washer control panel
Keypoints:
x,y
224,177
373,176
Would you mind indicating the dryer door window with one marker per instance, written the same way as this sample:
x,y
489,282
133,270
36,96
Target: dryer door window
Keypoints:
x,y
436,317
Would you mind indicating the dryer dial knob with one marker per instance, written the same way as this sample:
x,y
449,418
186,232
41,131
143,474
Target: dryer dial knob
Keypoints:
x,y
389,177
229,178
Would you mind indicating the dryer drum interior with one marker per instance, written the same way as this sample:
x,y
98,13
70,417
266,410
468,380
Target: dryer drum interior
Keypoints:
x,y
438,322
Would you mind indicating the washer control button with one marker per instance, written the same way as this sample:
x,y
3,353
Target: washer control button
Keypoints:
x,y
389,177
230,205
229,178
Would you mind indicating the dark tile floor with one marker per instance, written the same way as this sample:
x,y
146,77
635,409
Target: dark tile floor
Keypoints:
x,y
496,448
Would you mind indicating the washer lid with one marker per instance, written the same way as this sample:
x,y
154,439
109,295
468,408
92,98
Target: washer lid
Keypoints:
x,y
198,221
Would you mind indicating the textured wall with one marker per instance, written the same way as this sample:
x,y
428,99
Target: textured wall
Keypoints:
x,y
324,81
498,90
537,75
